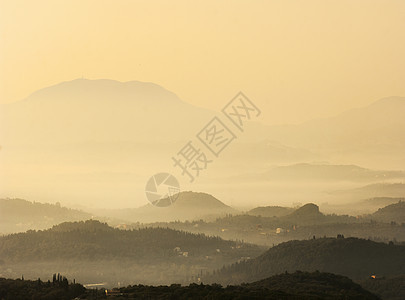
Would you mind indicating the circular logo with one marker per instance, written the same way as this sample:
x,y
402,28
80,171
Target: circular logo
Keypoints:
x,y
162,189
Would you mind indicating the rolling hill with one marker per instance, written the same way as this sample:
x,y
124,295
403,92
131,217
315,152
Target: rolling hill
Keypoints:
x,y
352,257
315,285
85,250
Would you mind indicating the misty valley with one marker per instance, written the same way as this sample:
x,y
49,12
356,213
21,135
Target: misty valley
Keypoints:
x,y
276,172
228,248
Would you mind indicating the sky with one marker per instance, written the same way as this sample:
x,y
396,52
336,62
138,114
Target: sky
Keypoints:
x,y
297,60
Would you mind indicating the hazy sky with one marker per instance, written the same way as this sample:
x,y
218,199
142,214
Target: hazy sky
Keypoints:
x,y
296,59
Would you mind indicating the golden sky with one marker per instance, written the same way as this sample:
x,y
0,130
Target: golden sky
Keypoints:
x,y
296,59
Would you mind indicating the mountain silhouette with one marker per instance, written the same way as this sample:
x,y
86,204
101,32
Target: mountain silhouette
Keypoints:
x,y
17,215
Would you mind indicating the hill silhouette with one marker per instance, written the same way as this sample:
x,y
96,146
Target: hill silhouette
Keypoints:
x,y
270,211
352,257
305,285
17,215
391,213
188,206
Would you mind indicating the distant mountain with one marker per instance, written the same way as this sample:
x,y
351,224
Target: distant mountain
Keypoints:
x,y
85,250
97,142
393,190
85,110
391,213
270,211
373,135
17,215
188,206
352,257
324,172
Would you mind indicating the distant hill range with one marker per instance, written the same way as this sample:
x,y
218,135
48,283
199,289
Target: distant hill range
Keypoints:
x,y
322,172
262,226
352,257
188,206
17,215
105,138
371,135
382,189
306,172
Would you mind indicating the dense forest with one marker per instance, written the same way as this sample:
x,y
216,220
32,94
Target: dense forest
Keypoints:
x,y
352,257
85,250
92,240
299,285
59,288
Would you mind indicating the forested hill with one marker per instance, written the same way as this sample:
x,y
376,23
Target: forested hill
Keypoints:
x,y
392,213
92,240
352,257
